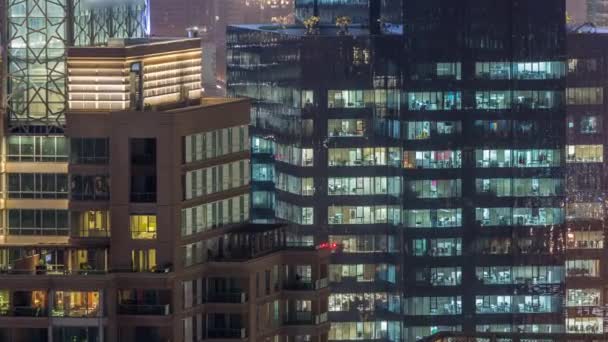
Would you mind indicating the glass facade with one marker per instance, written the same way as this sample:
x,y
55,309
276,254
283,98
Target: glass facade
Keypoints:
x,y
427,158
39,33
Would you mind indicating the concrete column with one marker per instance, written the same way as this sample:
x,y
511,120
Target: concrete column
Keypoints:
x,y
101,314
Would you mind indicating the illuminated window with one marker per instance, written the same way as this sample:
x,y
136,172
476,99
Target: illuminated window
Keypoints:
x,y
76,304
143,260
585,154
4,302
585,96
94,224
583,297
585,325
143,227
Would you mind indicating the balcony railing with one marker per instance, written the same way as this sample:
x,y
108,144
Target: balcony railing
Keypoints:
x,y
306,285
300,318
143,197
299,285
145,310
51,272
236,333
29,311
76,312
306,318
321,318
228,297
321,283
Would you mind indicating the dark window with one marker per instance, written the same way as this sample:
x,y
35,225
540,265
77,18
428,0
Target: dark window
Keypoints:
x,y
143,170
89,151
90,188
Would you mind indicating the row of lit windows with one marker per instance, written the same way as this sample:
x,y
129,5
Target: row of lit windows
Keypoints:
x,y
585,96
445,247
365,243
368,156
363,214
502,275
521,328
517,304
303,186
518,158
452,100
354,331
75,304
362,272
520,70
212,144
583,268
426,130
215,179
294,155
519,216
519,187
440,276
342,186
378,98
485,158
293,213
367,302
214,214
37,148
585,153
439,188
422,306
588,124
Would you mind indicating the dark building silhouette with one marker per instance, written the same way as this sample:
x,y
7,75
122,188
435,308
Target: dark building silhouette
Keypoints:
x,y
432,153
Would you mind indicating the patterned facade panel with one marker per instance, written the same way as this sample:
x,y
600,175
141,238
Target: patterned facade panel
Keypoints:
x,y
95,23
36,61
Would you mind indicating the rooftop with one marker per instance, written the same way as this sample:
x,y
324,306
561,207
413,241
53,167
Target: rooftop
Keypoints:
x,y
322,30
117,48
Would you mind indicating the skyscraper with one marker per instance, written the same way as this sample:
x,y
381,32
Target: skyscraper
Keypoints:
x,y
597,12
388,11
498,74
432,154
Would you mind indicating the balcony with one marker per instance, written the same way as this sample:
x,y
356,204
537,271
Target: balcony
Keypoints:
x,y
29,311
305,318
227,297
143,197
300,318
223,333
299,285
306,285
144,310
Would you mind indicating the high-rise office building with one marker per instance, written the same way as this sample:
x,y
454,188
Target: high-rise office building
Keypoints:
x,y
577,11
586,185
432,154
597,12
125,194
318,164
210,18
485,222
387,11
